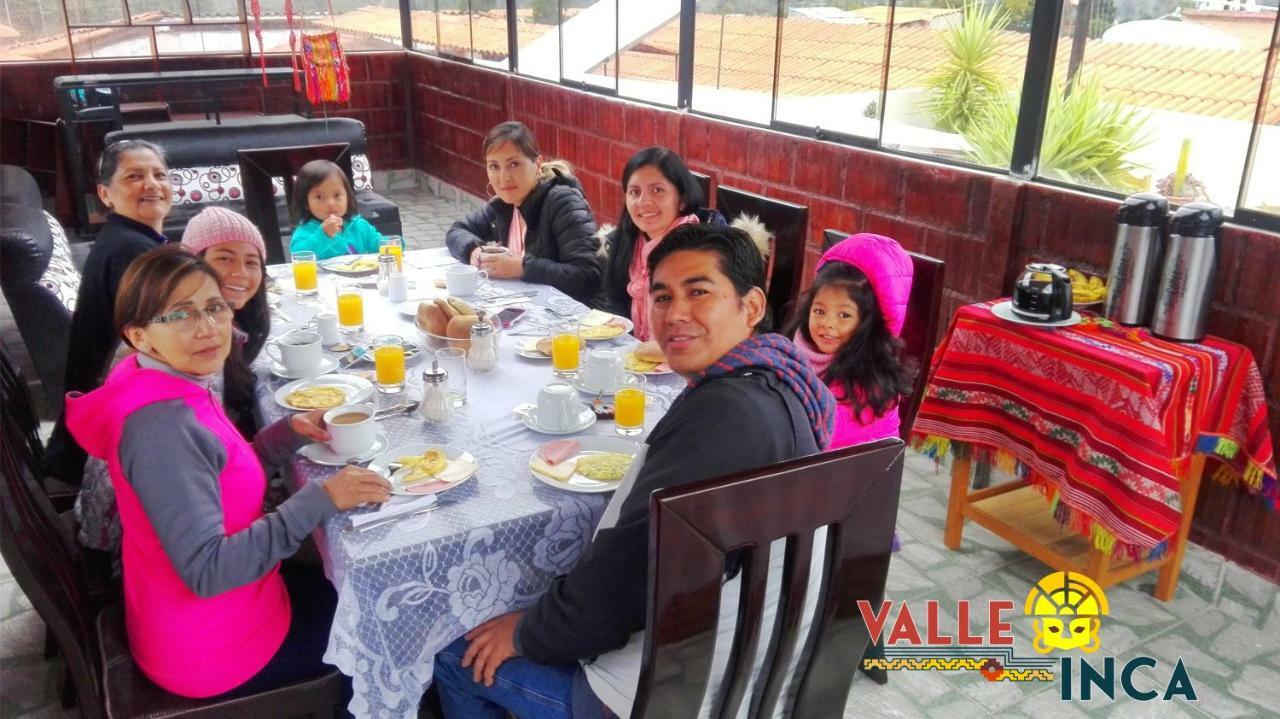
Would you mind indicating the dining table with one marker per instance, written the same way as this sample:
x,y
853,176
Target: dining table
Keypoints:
x,y
409,586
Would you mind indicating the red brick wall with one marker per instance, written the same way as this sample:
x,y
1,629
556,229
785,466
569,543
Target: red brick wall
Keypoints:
x,y
28,104
984,226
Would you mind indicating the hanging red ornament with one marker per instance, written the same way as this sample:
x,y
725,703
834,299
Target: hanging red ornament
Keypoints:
x,y
256,7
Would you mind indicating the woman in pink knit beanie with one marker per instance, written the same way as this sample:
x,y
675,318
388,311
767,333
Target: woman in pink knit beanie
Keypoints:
x,y
232,245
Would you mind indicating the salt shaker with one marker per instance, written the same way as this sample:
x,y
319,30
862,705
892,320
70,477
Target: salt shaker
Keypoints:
x,y
386,269
483,355
397,289
437,403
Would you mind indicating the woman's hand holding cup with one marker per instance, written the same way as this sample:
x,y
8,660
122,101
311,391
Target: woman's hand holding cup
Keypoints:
x,y
353,486
310,425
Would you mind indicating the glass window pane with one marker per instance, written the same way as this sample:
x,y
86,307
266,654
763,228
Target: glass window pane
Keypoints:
x,y
538,33
1263,190
489,33
954,80
219,11
1153,99
425,27
590,42
830,71
95,12
733,56
33,31
157,12
650,32
112,42
370,25
190,39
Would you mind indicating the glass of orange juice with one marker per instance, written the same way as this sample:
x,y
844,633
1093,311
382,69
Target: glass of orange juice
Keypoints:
x,y
388,363
350,308
566,349
391,245
304,273
628,411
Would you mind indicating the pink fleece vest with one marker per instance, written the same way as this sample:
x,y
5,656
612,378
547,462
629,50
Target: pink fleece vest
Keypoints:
x,y
190,645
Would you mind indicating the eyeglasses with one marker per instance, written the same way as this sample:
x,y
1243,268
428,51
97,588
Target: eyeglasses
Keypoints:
x,y
189,320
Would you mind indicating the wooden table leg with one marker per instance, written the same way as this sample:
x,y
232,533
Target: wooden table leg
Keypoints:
x,y
956,501
1167,579
1099,564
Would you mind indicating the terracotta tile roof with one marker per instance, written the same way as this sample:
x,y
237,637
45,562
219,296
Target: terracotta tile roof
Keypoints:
x,y
821,58
458,30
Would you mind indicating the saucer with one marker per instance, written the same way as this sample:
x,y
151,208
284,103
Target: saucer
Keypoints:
x,y
1004,310
326,366
586,418
320,453
630,379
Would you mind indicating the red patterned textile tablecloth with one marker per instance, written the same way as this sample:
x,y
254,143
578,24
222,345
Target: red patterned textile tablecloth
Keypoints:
x,y
1103,419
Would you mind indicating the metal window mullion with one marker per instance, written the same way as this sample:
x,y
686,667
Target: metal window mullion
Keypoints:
x,y
406,24
684,63
777,59
1033,108
884,72
1260,111
513,37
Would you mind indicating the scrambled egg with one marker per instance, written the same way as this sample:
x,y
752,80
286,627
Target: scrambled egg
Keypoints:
x,y
418,468
635,364
604,466
319,397
362,264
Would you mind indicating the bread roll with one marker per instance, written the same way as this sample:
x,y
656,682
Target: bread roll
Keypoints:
x,y
432,319
544,346
460,329
462,307
649,352
449,310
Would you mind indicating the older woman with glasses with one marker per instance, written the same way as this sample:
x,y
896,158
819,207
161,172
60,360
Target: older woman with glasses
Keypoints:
x,y
209,608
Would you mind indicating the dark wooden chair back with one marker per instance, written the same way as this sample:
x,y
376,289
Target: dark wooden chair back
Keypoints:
x,y
789,224
704,182
694,529
257,167
19,408
920,328
47,568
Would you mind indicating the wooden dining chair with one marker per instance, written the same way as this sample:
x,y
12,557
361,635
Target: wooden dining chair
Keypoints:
x,y
920,327
704,184
257,167
102,678
694,531
19,408
789,224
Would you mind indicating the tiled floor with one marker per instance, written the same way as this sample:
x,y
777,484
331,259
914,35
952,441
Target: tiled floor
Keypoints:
x,y
1224,622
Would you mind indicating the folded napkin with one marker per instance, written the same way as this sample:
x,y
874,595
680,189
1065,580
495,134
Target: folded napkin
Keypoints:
x,y
393,510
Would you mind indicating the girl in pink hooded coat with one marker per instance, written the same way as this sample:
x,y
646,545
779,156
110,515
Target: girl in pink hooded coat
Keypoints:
x,y
847,325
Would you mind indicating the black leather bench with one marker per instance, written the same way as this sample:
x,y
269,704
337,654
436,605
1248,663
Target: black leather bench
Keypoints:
x,y
204,166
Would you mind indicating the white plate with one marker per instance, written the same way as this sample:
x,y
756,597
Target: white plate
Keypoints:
x,y
586,418
627,326
527,347
333,262
357,389
409,308
327,365
593,444
1004,310
435,486
411,352
320,453
630,379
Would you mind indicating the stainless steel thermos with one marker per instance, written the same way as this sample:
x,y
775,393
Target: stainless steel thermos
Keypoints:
x,y
1186,280
1135,261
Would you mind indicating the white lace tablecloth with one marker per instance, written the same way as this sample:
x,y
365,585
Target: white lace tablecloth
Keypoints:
x,y
409,588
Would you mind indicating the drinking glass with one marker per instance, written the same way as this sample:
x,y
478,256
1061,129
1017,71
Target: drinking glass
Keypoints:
x,y
304,273
566,349
454,361
388,363
393,245
350,308
628,411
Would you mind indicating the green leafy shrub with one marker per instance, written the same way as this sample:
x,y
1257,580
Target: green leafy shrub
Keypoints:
x,y
967,85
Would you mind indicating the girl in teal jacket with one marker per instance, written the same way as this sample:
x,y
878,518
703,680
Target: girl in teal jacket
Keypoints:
x,y
329,224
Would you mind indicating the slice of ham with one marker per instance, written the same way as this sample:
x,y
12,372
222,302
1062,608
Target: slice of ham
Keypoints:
x,y
558,451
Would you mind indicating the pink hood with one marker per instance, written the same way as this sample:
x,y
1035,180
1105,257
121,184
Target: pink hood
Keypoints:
x,y
885,264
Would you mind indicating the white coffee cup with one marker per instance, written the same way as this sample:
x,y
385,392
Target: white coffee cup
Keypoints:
x,y
326,323
298,351
352,429
558,407
463,280
603,370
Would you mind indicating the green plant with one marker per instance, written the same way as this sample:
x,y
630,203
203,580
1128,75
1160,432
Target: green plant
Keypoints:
x,y
967,85
1087,141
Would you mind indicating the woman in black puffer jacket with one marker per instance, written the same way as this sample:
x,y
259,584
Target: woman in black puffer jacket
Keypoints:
x,y
538,214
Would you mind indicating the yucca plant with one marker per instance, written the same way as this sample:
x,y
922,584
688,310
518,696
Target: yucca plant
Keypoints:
x,y
967,85
1087,141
